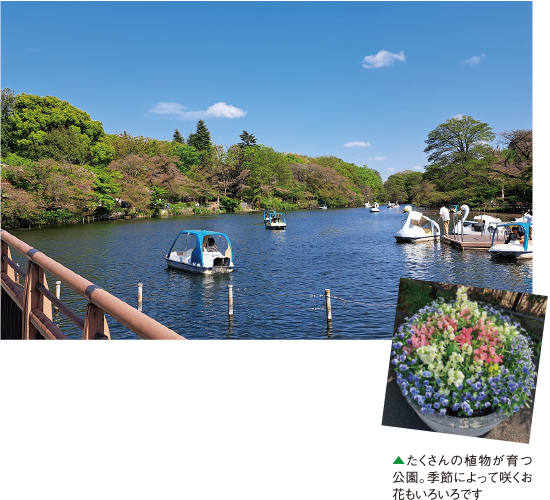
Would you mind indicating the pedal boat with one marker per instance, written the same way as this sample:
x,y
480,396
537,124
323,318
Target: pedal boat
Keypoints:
x,y
417,228
276,221
189,253
513,249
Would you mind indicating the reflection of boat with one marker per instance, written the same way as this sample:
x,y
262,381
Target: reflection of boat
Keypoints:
x,y
514,248
375,208
417,228
367,205
201,252
268,214
482,224
276,221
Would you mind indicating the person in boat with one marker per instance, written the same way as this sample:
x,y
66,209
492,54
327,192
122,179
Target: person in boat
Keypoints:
x,y
515,236
445,217
211,245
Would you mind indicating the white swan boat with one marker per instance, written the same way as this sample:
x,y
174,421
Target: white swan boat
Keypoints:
x,y
393,205
201,252
375,208
482,224
513,249
417,228
367,205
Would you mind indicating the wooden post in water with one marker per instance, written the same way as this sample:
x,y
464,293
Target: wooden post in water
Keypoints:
x,y
230,300
57,293
327,301
140,296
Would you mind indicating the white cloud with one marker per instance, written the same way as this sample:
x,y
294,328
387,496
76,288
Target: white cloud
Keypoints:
x,y
458,117
383,58
222,110
417,168
379,158
390,169
474,60
218,110
360,144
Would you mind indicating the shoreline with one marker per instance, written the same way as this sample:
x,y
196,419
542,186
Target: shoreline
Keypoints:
x,y
214,209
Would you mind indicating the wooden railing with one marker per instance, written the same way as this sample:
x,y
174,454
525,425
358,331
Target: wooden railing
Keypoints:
x,y
27,311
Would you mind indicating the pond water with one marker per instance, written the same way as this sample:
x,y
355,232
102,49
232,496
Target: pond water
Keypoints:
x,y
280,276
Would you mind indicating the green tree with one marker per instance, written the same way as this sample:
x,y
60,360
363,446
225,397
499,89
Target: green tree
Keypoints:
x,y
459,153
178,137
395,188
188,156
229,204
247,139
125,144
270,172
8,102
101,154
65,145
34,120
224,166
200,140
373,187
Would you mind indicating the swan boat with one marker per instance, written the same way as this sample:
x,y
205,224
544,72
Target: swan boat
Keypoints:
x,y
513,249
322,207
192,252
417,228
276,221
367,205
375,208
481,225
393,205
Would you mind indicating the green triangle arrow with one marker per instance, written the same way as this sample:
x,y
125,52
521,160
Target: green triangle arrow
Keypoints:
x,y
399,461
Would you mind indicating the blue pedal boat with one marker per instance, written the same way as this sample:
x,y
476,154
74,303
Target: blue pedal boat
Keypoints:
x,y
203,252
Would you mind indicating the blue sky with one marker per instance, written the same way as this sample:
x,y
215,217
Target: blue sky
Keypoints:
x,y
364,81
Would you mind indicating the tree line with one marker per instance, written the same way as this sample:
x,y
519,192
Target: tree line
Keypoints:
x,y
59,165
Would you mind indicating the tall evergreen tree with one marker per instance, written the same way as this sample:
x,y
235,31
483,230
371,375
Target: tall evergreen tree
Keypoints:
x,y
247,139
200,140
178,137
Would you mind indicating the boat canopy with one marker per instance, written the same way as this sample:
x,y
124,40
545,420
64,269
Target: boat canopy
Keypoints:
x,y
277,215
197,239
526,226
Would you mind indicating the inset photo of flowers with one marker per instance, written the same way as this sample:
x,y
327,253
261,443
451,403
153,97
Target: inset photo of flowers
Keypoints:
x,y
464,360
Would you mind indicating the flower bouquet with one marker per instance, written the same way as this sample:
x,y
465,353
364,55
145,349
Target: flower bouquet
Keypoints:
x,y
463,359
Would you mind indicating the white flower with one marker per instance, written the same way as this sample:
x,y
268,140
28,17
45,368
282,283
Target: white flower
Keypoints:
x,y
455,377
427,353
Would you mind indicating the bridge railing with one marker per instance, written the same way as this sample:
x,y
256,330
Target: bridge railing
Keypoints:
x,y
27,311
